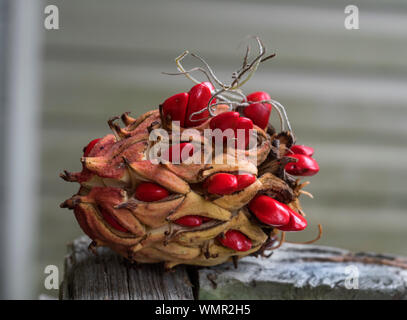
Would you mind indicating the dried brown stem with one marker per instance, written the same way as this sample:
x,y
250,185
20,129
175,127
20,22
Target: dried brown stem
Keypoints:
x,y
313,240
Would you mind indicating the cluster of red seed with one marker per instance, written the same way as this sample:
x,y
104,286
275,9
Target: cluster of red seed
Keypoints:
x,y
181,106
267,210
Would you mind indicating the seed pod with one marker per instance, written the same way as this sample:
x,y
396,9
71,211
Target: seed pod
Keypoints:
x,y
244,180
151,212
297,223
90,146
221,183
189,221
199,96
235,240
175,107
149,192
301,149
270,211
305,166
111,220
176,154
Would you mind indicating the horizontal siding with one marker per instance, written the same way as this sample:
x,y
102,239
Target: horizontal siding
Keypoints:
x,y
345,93
297,33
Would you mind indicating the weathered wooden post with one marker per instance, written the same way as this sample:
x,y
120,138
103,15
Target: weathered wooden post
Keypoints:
x,y
107,276
292,272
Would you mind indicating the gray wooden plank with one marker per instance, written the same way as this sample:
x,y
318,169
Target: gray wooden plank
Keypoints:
x,y
308,272
292,272
106,276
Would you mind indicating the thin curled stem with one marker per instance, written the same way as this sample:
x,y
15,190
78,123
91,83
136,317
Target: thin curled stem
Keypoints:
x,y
208,108
313,240
209,69
280,243
231,94
181,68
280,116
251,68
188,72
276,103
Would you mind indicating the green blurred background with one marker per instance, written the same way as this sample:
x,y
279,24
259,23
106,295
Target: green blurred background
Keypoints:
x,y
345,92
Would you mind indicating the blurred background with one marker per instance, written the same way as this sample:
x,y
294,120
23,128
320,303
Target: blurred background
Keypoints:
x,y
345,92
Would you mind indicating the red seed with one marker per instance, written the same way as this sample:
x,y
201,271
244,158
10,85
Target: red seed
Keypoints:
x,y
259,113
149,191
270,211
259,96
305,166
225,120
244,180
297,223
301,149
177,154
221,183
232,120
176,107
90,146
206,219
112,220
199,96
246,125
189,221
235,240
